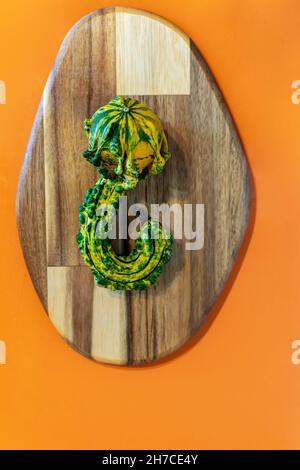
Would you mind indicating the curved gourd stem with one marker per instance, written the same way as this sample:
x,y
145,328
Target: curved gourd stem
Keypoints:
x,y
137,270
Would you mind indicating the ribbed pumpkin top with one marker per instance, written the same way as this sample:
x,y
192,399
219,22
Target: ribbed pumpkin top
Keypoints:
x,y
126,140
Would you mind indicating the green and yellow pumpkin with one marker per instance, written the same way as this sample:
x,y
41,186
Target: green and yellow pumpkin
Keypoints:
x,y
126,143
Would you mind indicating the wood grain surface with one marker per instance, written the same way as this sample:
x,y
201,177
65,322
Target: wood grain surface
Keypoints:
x,y
131,52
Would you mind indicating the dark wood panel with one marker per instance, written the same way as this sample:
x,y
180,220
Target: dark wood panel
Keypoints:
x,y
83,80
31,209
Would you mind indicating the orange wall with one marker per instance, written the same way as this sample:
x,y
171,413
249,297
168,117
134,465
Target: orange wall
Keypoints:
x,y
235,387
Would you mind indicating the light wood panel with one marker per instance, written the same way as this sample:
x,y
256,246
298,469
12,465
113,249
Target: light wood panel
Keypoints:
x,y
109,332
99,327
147,48
208,166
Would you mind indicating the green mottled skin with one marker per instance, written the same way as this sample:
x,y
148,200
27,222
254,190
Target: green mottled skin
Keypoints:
x,y
126,144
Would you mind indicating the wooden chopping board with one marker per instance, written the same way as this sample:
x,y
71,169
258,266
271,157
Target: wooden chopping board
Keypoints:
x,y
120,51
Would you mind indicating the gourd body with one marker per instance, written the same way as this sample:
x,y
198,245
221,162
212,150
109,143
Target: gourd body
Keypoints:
x,y
127,144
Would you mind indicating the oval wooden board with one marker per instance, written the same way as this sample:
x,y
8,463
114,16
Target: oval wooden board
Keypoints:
x,y
133,53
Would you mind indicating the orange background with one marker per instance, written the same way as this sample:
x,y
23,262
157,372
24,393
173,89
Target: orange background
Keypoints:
x,y
235,386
